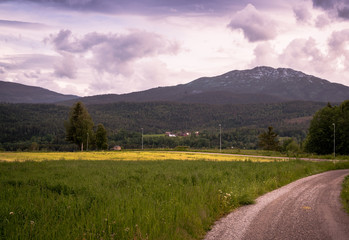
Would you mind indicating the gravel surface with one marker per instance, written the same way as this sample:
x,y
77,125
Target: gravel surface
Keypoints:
x,y
309,208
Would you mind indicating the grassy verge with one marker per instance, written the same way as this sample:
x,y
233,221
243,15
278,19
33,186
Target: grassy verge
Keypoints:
x,y
345,194
133,199
269,153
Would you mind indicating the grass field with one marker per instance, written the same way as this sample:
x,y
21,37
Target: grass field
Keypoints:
x,y
113,199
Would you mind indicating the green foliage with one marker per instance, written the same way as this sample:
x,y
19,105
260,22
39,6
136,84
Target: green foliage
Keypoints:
x,y
268,140
322,134
291,147
126,200
79,126
101,137
182,148
345,194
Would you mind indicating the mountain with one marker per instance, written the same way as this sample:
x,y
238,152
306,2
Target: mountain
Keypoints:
x,y
19,93
257,85
283,83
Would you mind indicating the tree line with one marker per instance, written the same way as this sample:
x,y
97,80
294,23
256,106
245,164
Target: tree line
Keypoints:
x,y
44,126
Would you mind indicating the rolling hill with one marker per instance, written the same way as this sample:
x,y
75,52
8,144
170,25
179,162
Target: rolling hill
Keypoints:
x,y
19,93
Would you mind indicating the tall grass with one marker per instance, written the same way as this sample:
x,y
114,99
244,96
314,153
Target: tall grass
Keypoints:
x,y
345,194
132,199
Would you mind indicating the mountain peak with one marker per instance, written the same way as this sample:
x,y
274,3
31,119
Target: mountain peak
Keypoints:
x,y
278,72
284,83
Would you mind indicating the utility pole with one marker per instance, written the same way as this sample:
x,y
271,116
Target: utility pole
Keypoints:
x,y
142,138
334,140
220,137
87,143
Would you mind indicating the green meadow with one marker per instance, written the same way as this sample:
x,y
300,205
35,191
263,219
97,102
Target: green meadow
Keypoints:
x,y
108,199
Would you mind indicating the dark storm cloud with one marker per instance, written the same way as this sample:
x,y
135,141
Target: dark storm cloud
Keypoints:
x,y
324,4
339,7
23,25
344,12
140,6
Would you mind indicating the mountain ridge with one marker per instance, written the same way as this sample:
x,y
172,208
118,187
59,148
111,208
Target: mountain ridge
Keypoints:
x,y
258,85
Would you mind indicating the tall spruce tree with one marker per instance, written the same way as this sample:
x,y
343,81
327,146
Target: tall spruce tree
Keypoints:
x,y
79,126
269,140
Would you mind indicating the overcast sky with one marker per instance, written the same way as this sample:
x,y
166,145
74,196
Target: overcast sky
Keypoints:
x,y
89,47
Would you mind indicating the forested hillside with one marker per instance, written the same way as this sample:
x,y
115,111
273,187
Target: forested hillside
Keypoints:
x,y
24,126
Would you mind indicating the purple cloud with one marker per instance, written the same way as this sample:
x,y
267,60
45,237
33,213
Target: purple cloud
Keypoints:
x,y
322,21
147,7
339,7
112,52
66,67
338,42
344,12
27,61
324,4
255,25
302,14
19,24
302,53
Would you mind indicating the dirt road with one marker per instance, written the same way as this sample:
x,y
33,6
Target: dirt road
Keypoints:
x,y
309,208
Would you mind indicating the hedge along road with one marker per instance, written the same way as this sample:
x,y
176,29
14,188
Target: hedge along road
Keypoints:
x,y
309,208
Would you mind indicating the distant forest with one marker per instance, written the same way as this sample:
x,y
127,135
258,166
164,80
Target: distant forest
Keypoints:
x,y
41,126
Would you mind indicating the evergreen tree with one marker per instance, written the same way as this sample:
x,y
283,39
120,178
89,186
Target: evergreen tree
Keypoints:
x,y
269,140
79,126
101,138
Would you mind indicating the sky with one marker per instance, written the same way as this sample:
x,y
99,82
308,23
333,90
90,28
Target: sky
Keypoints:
x,y
92,47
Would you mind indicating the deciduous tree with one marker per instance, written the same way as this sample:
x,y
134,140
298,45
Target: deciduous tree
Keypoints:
x,y
329,127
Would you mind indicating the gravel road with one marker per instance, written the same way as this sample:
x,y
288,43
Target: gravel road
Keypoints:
x,y
309,208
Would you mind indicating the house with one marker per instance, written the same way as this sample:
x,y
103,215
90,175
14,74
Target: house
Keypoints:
x,y
169,134
116,148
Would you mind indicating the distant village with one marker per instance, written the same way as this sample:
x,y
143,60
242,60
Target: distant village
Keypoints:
x,y
180,134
